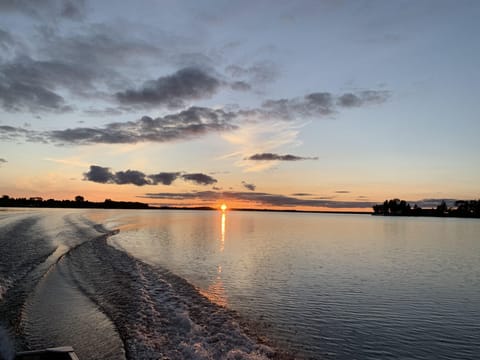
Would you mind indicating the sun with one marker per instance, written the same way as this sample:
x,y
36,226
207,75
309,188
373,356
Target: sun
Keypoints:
x,y
223,207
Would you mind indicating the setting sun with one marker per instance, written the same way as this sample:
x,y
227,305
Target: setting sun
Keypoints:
x,y
223,207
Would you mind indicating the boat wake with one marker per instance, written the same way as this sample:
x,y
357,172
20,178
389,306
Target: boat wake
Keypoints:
x,y
72,287
157,313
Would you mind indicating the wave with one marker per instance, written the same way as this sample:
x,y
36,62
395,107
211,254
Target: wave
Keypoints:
x,y
32,243
157,313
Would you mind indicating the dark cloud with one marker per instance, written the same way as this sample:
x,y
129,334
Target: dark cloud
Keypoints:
x,y
320,104
2,161
134,177
186,124
247,186
28,84
165,178
6,40
349,100
104,175
314,104
99,174
198,178
342,192
272,157
302,194
12,133
189,123
45,9
260,199
173,90
19,97
97,48
91,63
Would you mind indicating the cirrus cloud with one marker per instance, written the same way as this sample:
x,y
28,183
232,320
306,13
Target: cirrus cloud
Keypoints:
x,y
259,199
274,157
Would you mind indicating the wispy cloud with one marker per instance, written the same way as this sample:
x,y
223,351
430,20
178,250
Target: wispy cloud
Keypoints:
x,y
258,199
193,122
258,73
277,157
46,8
71,162
258,130
248,186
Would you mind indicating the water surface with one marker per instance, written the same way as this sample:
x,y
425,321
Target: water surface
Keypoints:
x,y
323,286
328,286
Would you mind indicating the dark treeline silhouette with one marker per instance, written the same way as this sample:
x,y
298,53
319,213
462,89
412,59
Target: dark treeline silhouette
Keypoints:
x,y
79,202
397,207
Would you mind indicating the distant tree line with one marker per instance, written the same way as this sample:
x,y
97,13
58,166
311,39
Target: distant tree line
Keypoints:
x,y
78,202
397,207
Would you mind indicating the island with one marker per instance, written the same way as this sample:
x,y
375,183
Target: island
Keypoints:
x,y
397,207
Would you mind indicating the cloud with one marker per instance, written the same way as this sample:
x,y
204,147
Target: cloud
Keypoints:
x,y
240,86
199,178
259,199
320,104
362,98
99,174
134,177
273,118
165,178
259,72
314,104
273,157
342,192
93,63
247,186
172,90
32,85
71,9
6,40
12,133
2,161
189,123
104,175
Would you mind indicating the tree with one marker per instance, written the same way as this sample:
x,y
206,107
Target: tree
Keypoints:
x,y
79,198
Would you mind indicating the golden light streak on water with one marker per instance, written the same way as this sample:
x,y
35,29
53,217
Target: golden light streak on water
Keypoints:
x,y
216,291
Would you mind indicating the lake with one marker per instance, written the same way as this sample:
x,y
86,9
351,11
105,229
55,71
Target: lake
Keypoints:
x,y
323,286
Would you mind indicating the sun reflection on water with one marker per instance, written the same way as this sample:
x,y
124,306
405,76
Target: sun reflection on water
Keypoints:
x,y
222,239
215,292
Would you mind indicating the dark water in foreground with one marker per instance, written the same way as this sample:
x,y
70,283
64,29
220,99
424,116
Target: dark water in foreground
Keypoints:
x,y
321,286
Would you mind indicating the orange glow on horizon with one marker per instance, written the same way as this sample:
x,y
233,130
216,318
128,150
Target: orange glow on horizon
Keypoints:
x,y
223,207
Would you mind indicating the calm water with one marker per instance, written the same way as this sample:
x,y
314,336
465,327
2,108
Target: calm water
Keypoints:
x,y
322,286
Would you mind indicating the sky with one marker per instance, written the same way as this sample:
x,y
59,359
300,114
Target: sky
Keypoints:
x,y
314,105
